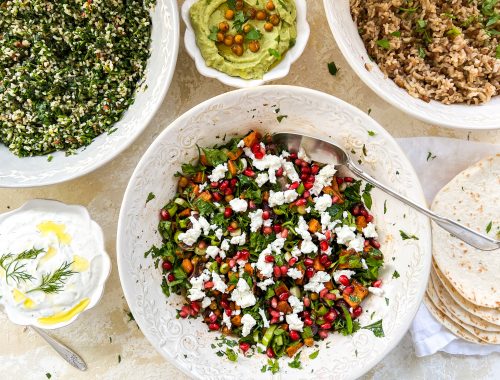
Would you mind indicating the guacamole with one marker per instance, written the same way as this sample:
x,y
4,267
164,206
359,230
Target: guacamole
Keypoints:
x,y
244,38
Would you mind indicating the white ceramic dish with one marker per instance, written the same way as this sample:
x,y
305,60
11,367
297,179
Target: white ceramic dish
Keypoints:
x,y
486,116
38,171
279,71
186,342
95,233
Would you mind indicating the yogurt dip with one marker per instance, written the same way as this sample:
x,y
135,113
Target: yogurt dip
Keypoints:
x,y
52,263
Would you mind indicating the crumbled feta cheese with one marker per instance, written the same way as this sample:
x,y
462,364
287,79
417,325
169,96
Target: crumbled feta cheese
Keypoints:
x,y
202,187
323,178
327,223
248,323
241,144
320,236
296,304
345,214
322,202
198,225
316,282
219,233
363,264
294,322
238,205
345,272
197,289
224,245
218,173
290,172
264,284
255,220
212,251
307,246
239,240
243,295
377,291
295,252
269,162
206,302
344,234
358,243
276,198
219,283
303,229
290,195
294,273
277,245
369,231
264,318
267,223
261,179
265,268
308,209
226,320
301,154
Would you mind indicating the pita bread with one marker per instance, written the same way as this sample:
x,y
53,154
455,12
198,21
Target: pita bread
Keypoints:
x,y
459,312
472,198
488,314
485,336
448,323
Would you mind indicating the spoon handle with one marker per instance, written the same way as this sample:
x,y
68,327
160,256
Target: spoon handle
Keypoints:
x,y
458,230
67,354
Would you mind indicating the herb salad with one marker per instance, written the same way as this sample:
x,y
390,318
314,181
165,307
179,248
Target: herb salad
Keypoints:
x,y
68,70
269,247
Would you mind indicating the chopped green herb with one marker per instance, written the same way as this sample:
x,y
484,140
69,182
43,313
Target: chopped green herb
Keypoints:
x,y
376,328
397,33
387,301
395,274
295,363
150,197
48,375
421,24
213,33
371,133
384,44
421,52
231,355
498,52
406,236
488,227
274,53
314,355
281,117
119,358
332,68
430,156
385,206
253,35
239,20
453,32
50,158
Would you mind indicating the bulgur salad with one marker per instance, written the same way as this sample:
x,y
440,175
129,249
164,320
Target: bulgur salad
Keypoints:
x,y
269,247
68,70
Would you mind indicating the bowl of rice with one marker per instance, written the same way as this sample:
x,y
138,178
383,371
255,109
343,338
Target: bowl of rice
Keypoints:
x,y
437,61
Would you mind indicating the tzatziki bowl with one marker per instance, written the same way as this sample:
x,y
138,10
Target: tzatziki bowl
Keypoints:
x,y
53,263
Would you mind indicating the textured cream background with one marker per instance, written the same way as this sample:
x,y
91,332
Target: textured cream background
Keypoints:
x,y
104,333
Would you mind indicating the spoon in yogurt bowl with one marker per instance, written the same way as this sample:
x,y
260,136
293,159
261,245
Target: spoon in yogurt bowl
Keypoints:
x,y
327,152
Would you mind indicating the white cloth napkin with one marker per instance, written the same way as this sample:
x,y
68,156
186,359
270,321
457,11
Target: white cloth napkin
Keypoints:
x,y
437,160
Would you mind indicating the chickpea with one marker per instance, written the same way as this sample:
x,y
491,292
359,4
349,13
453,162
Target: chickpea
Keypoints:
x,y
239,39
270,6
274,19
228,40
261,15
237,49
268,27
220,37
223,27
247,28
229,15
254,46
251,13
239,5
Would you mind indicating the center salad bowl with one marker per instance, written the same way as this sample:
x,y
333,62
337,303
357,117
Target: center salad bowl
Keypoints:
x,y
187,343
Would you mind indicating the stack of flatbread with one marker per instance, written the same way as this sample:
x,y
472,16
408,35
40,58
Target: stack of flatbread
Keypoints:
x,y
464,287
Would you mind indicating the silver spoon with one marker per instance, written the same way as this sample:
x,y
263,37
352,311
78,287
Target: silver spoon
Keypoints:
x,y
67,354
323,151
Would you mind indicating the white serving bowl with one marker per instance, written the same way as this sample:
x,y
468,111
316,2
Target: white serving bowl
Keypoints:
x,y
186,342
38,171
345,31
94,233
279,71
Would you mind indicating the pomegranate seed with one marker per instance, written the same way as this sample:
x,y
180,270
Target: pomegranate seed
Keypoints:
x,y
274,320
348,290
232,263
357,311
377,284
306,194
228,212
369,218
244,255
324,247
279,172
298,162
308,321
267,230
164,214
294,186
330,316
306,301
252,205
315,169
283,270
233,182
309,272
328,235
330,296
209,285
309,262
192,313
167,265
366,243
292,156
224,304
323,334
195,306
375,244
284,233
308,185
269,259
266,215
304,164
327,263
212,318
348,179
301,202
284,296
304,177
249,172
310,179
340,181
292,261
259,155
218,259
213,326
244,346
270,352
170,277
214,184
355,210
277,271
323,292
255,147
228,312
364,213
306,314
344,280
275,313
230,228
217,197
277,228
294,335
305,170
274,302
326,326
228,191
183,314
335,199
224,185
323,259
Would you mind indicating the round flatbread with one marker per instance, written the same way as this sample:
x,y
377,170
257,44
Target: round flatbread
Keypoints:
x,y
488,314
473,199
448,323
459,312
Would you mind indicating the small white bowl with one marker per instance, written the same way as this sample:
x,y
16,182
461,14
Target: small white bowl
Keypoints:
x,y
94,229
345,31
279,71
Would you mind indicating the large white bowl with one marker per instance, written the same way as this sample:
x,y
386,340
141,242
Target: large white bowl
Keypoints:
x,y
345,31
279,71
38,171
186,343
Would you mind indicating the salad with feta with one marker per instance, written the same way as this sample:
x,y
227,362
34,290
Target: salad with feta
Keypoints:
x,y
269,247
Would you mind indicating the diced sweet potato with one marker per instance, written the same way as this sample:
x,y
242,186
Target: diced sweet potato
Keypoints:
x,y
231,166
284,307
234,155
185,213
199,177
250,139
187,266
314,226
292,350
203,160
309,342
347,258
281,288
248,268
206,196
317,265
236,320
359,293
361,222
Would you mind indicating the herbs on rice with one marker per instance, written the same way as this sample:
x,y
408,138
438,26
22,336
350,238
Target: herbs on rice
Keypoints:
x,y
68,70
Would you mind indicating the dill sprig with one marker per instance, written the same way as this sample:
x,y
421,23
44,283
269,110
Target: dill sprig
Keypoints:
x,y
54,282
13,267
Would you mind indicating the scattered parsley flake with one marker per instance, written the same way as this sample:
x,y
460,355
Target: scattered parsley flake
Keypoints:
x,y
274,53
150,197
295,363
370,133
231,355
385,206
50,158
384,44
314,355
364,150
281,117
119,358
406,236
395,274
387,301
253,35
430,156
488,227
49,375
376,328
332,68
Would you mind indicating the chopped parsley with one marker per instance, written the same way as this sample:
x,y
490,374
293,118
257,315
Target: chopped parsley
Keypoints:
x,y
371,133
406,236
384,44
488,227
213,33
253,35
274,53
430,156
332,68
376,328
281,117
395,274
150,197
295,363
314,355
